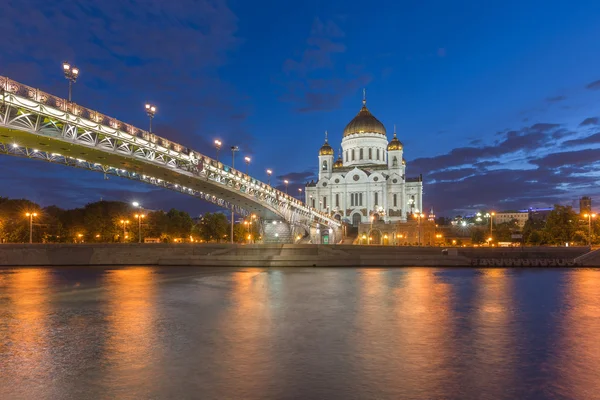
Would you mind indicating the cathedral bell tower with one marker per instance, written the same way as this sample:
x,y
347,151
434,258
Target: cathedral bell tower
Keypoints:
x,y
325,160
395,150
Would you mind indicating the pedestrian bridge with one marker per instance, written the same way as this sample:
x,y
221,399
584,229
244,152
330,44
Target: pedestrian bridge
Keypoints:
x,y
40,126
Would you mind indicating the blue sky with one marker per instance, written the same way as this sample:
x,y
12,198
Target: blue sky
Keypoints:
x,y
495,103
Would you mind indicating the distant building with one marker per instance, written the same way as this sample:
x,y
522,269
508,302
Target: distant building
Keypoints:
x,y
507,216
539,214
585,204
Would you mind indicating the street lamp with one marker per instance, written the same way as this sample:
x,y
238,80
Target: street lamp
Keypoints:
x,y
300,194
124,222
218,144
31,215
150,110
491,224
247,159
286,182
418,216
589,217
269,172
71,74
139,218
371,230
135,204
233,150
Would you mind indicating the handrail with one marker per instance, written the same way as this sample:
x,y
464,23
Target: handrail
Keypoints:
x,y
8,85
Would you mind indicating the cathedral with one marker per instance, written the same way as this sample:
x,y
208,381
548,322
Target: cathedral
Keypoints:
x,y
368,180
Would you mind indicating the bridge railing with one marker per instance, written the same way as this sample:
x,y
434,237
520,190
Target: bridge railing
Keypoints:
x,y
8,85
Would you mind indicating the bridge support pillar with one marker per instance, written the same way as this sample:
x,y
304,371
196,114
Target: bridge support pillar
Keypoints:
x,y
277,232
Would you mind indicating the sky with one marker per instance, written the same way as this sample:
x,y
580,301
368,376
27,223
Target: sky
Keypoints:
x,y
497,103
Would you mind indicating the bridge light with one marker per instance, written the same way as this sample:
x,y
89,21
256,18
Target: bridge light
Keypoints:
x,y
269,172
286,182
71,73
150,110
218,144
15,145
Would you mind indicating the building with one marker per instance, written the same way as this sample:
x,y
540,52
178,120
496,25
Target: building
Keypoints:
x,y
368,178
508,216
585,205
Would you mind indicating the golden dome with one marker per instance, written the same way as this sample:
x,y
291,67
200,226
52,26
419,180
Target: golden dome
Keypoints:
x,y
395,144
326,149
364,122
338,163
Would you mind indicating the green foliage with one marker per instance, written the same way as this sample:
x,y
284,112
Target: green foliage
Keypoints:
x,y
477,236
96,222
214,227
561,224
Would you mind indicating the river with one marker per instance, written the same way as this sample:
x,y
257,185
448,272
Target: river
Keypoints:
x,y
304,333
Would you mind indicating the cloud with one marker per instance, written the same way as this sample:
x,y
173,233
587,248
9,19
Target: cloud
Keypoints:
x,y
589,121
578,157
555,99
318,81
593,85
297,177
593,139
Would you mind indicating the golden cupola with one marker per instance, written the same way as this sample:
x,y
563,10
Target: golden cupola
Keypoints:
x,y
395,144
326,149
364,122
339,163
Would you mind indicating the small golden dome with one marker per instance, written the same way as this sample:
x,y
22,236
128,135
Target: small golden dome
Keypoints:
x,y
338,163
395,144
326,150
364,122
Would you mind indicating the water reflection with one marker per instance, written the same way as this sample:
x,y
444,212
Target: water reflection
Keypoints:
x,y
405,342
578,347
25,332
491,349
245,339
131,354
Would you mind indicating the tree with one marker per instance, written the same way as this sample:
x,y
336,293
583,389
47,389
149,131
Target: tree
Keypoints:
x,y
15,223
561,224
213,227
477,236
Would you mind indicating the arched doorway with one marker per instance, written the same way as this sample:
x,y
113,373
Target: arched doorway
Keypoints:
x,y
375,236
337,217
356,219
375,217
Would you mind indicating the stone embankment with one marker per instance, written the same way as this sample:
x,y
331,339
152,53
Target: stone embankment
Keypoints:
x,y
282,255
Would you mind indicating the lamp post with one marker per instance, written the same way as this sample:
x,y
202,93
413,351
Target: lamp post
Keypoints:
x,y
492,224
31,215
139,218
286,182
269,173
418,216
124,222
218,144
300,194
589,217
371,229
71,74
247,159
233,150
150,110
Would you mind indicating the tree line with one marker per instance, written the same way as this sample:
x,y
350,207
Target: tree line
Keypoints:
x,y
562,225
112,222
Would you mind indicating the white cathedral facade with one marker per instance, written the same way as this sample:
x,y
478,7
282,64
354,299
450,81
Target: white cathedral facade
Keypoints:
x,y
368,180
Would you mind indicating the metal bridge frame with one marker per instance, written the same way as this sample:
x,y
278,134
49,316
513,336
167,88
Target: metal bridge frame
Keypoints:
x,y
30,110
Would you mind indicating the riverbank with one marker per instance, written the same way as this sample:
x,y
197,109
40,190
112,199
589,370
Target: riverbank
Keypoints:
x,y
225,255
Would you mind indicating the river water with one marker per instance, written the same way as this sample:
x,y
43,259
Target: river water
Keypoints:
x,y
214,333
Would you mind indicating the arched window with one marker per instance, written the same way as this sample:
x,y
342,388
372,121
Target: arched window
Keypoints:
x,y
352,154
395,200
377,154
370,154
356,219
361,154
324,165
346,155
376,198
337,200
395,161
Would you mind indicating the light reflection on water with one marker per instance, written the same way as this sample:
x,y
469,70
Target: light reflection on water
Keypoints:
x,y
416,333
